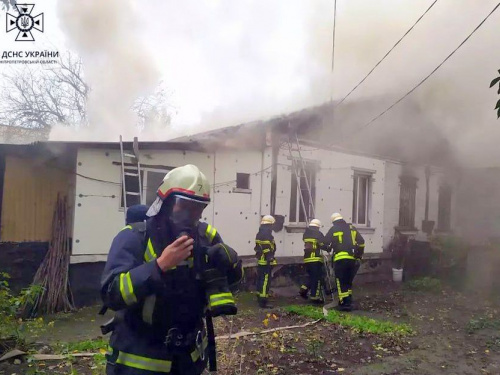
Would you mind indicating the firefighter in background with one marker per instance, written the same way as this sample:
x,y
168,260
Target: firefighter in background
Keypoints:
x,y
265,249
348,248
165,275
313,260
136,214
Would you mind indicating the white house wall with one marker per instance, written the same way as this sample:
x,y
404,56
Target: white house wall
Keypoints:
x,y
98,216
334,192
237,213
391,201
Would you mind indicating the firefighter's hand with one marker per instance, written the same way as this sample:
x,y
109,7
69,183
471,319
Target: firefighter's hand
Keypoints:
x,y
175,253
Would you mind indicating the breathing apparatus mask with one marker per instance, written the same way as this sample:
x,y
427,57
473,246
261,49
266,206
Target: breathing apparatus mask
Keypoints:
x,y
183,214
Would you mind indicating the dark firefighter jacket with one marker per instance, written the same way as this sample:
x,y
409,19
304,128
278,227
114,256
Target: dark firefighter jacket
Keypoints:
x,y
150,302
313,243
265,247
345,241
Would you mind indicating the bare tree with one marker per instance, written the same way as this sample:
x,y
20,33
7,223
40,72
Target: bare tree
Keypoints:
x,y
40,98
153,109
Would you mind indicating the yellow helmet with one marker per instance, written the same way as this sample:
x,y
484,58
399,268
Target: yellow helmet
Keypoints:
x,y
315,223
336,216
268,219
187,181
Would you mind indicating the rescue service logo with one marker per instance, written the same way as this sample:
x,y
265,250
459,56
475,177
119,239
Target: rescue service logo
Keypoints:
x,y
25,23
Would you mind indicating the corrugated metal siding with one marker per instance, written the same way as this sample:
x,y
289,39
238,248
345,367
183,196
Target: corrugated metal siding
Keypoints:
x,y
29,197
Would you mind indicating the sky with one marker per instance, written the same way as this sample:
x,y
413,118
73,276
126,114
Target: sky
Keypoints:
x,y
227,62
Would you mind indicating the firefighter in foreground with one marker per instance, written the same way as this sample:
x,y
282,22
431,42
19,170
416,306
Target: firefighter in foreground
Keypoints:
x,y
313,260
162,277
348,249
265,249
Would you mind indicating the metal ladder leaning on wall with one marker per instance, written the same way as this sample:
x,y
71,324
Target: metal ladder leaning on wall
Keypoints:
x,y
299,169
132,186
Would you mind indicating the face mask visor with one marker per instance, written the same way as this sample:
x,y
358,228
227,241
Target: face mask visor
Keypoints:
x,y
185,214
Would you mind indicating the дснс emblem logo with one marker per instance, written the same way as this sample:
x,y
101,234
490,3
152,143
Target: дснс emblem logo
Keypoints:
x,y
24,22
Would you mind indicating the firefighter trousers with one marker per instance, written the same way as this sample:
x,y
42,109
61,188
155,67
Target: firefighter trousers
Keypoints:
x,y
263,282
315,282
345,270
181,365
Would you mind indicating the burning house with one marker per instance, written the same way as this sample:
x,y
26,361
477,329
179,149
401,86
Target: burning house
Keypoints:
x,y
251,168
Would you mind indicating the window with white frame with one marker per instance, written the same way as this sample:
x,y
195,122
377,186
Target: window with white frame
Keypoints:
x,y
151,179
299,191
361,198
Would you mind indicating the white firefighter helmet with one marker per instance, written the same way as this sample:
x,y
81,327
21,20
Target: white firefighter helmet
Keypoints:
x,y
268,219
186,181
336,216
315,223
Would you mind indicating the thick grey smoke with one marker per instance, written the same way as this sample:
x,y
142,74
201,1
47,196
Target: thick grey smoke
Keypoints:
x,y
451,113
118,67
231,62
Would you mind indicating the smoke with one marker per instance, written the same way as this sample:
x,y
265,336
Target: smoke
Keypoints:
x,y
450,118
232,62
118,67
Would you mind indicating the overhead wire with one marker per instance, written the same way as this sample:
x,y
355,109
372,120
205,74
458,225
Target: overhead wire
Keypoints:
x,y
433,71
387,54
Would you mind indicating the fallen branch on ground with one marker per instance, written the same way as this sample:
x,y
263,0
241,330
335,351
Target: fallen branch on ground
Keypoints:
x,y
57,357
246,333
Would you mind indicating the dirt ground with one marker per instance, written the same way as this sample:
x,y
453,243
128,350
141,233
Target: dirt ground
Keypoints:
x,y
454,334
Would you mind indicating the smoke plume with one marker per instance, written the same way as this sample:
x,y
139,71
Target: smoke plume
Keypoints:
x,y
118,67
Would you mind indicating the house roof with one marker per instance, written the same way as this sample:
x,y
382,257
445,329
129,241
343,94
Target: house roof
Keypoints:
x,y
59,145
407,135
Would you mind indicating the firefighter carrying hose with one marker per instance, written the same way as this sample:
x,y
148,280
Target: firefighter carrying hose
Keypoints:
x,y
313,260
348,248
166,278
265,249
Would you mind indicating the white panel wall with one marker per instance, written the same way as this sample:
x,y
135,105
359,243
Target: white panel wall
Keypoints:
x,y
98,216
334,192
237,214
391,199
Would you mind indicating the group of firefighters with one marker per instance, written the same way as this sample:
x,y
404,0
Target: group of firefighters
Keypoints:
x,y
343,240
168,275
